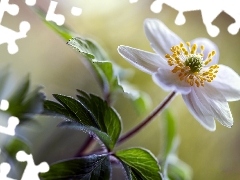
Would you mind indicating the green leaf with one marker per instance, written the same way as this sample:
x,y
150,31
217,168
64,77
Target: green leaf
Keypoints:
x,y
19,92
9,148
106,72
169,133
82,114
63,30
103,68
13,145
173,167
81,46
88,112
140,103
52,108
88,48
32,103
179,170
107,76
104,137
107,117
85,168
139,99
98,52
140,163
24,103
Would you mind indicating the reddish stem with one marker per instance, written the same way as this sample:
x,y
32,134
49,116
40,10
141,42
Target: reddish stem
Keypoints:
x,y
85,147
148,119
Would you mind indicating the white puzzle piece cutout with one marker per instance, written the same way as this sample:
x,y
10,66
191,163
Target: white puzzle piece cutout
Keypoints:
x,y
31,171
12,9
4,105
4,170
12,121
10,129
30,2
76,11
210,9
133,1
8,35
59,19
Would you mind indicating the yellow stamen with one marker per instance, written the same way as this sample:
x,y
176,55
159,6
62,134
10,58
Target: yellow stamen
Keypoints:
x,y
189,64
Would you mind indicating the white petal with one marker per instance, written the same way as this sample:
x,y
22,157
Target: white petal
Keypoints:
x,y
145,61
227,82
218,105
208,47
200,109
161,38
169,81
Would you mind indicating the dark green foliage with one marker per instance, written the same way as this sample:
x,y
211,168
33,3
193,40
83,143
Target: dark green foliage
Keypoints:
x,y
93,114
13,145
23,103
87,112
85,168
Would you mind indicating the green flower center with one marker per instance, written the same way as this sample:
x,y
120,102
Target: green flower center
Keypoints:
x,y
194,62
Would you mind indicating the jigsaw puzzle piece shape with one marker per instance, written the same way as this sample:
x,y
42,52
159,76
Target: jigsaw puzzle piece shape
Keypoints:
x,y
234,28
133,1
180,19
231,7
4,170
10,129
76,11
12,9
30,2
156,6
59,19
31,171
208,16
9,36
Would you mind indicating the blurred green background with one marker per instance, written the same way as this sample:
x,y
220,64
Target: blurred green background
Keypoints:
x,y
60,69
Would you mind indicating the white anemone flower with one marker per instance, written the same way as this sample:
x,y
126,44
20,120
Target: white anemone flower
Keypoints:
x,y
190,69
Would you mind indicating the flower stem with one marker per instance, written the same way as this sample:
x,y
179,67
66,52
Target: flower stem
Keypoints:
x,y
89,141
148,119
